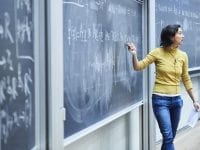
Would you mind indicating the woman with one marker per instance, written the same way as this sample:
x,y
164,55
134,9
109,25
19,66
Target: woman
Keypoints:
x,y
171,66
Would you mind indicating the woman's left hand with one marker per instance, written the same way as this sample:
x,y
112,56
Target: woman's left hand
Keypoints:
x,y
196,106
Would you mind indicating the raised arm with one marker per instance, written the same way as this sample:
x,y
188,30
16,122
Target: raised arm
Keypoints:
x,y
132,49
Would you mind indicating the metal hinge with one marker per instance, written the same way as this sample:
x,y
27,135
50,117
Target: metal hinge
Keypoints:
x,y
63,113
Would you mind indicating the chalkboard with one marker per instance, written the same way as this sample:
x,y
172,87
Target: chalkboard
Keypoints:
x,y
186,13
98,76
17,95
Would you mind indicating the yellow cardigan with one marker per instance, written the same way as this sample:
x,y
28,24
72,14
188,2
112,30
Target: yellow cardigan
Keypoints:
x,y
171,67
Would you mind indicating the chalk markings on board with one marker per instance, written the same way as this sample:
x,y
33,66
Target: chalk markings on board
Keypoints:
x,y
2,61
197,23
139,1
9,90
21,4
7,23
24,28
95,81
160,23
97,89
15,120
95,32
73,3
6,60
26,57
16,83
5,32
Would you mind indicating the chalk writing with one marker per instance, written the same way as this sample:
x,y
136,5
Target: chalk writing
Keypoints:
x,y
24,30
97,66
114,9
94,32
186,13
26,3
9,62
5,28
10,122
139,1
177,11
9,92
16,75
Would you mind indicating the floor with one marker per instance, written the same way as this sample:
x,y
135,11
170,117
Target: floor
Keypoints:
x,y
188,139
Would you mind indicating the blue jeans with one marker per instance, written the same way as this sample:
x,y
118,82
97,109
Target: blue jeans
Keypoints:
x,y
167,111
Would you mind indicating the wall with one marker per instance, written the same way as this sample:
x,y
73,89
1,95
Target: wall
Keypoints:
x,y
121,134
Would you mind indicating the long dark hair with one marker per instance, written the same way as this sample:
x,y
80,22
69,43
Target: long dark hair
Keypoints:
x,y
167,34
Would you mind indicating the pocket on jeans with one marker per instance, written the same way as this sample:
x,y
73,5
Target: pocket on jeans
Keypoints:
x,y
159,101
180,102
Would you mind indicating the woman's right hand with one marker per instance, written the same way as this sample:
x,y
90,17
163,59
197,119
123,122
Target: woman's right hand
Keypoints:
x,y
132,48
